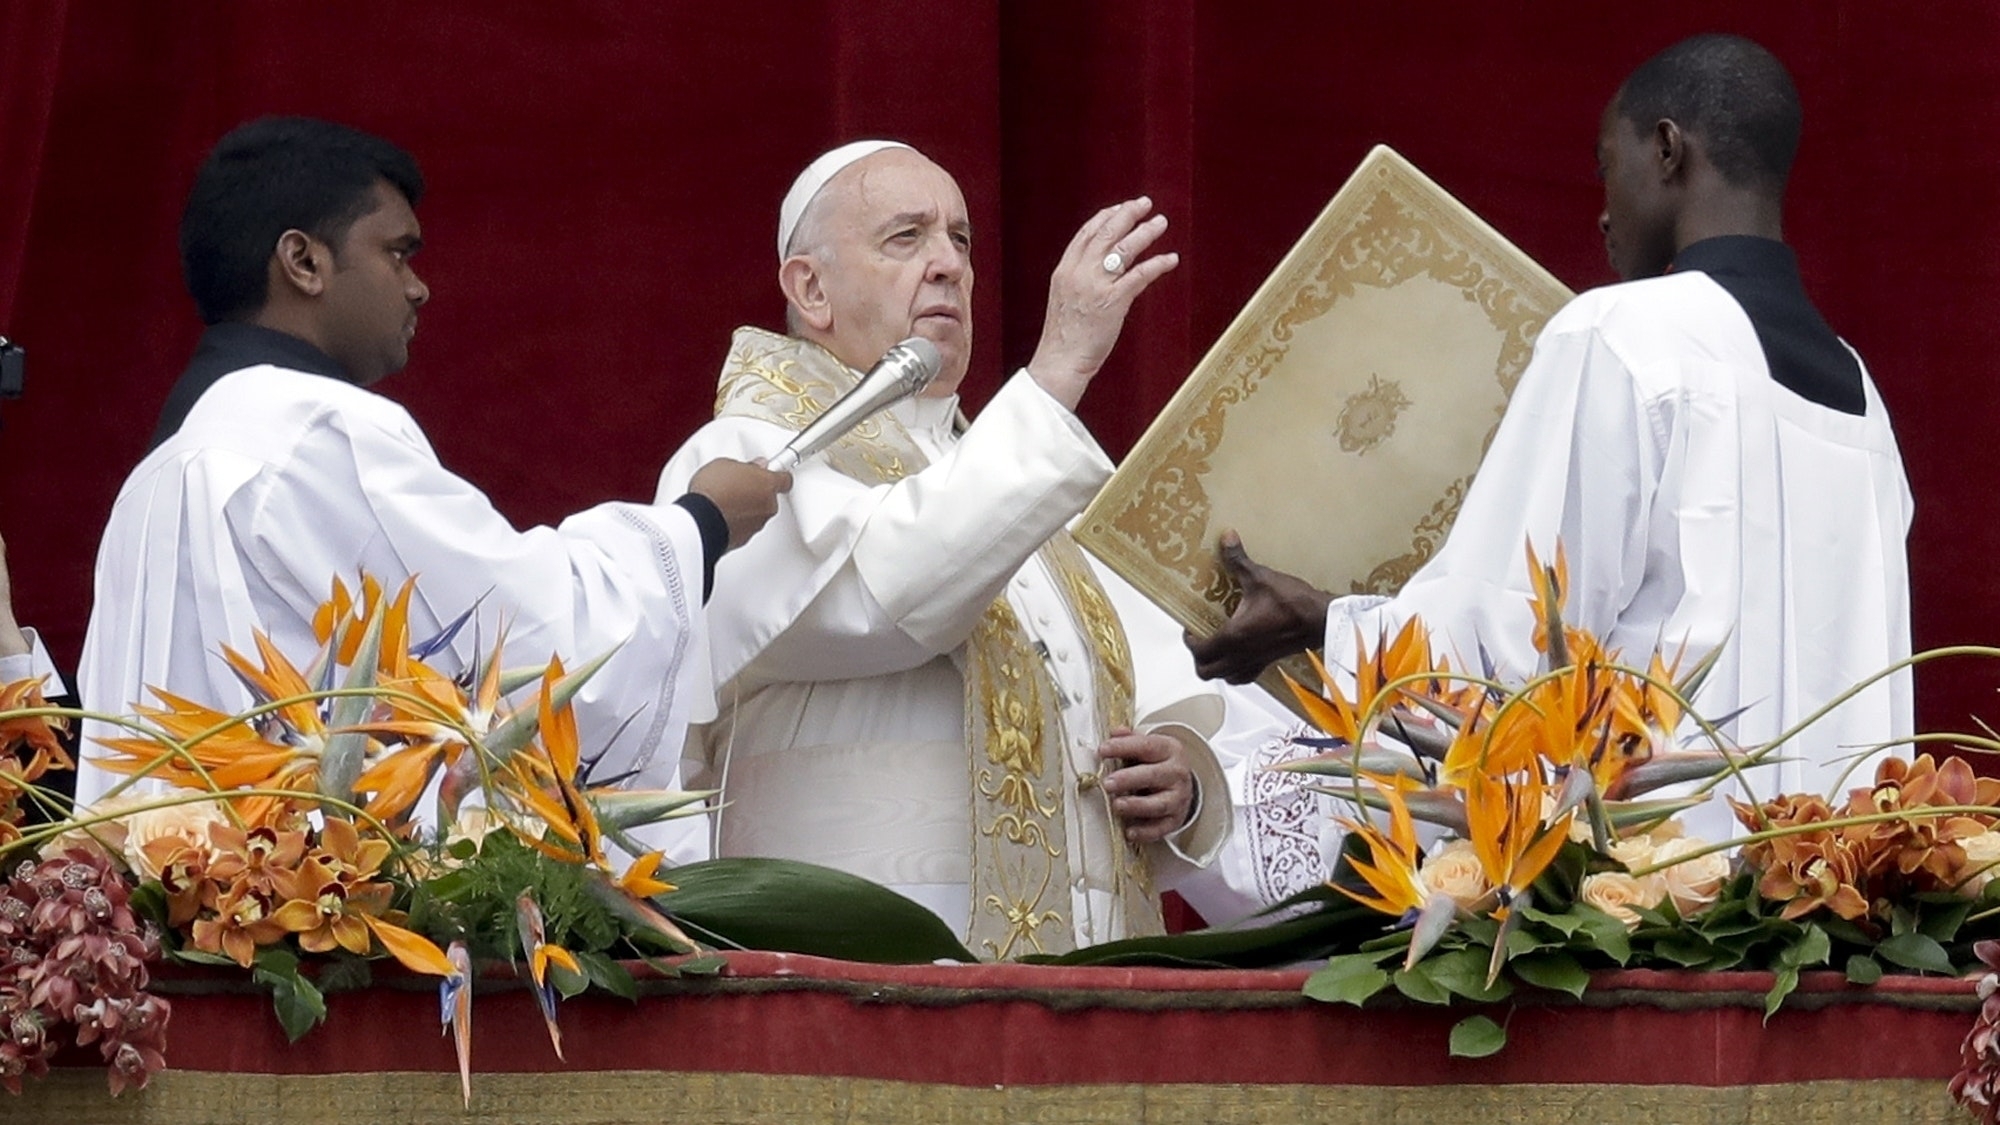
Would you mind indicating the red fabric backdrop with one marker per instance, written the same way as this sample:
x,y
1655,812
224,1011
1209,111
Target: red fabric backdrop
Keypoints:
x,y
605,174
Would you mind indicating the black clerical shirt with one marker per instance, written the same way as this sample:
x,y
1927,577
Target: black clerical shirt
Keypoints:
x,y
1804,355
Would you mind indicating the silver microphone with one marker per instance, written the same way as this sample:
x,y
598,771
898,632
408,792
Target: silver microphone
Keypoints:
x,y
902,371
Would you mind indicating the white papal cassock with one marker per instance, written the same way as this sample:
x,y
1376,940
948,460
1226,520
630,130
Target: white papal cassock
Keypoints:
x,y
1700,503
279,480
841,641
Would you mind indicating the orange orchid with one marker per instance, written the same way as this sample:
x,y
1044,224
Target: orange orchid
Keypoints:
x,y
259,857
319,913
37,733
245,918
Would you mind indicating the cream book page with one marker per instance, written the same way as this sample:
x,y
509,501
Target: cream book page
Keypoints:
x,y
1339,420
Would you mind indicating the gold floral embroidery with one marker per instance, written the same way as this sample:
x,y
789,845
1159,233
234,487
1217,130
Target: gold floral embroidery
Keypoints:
x,y
1020,821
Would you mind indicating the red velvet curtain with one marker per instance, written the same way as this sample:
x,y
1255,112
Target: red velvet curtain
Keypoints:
x,y
604,177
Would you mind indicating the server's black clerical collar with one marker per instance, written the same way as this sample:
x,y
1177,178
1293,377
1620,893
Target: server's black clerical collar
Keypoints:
x,y
1804,355
230,347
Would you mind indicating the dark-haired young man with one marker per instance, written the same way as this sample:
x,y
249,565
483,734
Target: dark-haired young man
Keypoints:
x,y
1713,460
274,470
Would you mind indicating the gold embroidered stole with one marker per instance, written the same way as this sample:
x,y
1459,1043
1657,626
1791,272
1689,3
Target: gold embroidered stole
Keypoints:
x,y
1024,865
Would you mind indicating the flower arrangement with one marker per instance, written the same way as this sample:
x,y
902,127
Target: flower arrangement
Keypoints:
x,y
1555,862
288,843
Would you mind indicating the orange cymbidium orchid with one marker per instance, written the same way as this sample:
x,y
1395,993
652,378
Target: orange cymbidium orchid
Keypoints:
x,y
245,918
36,732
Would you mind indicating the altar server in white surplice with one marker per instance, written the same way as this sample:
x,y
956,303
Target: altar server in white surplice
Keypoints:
x,y
274,470
1716,463
927,683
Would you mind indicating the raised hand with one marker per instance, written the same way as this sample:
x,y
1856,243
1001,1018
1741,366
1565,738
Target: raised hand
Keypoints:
x,y
1279,615
1092,289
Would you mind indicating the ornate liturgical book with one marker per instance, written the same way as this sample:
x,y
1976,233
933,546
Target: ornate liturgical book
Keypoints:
x,y
1337,423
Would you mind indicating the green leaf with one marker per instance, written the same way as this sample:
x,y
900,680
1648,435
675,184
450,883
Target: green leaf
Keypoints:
x,y
1916,951
1525,940
608,975
1787,980
299,1006
1347,980
1607,935
451,885
1863,969
1812,948
1557,972
1337,924
1463,973
149,900
1476,1037
1939,917
1842,930
1687,952
1902,920
707,965
792,907
344,973
1565,923
1416,983
567,984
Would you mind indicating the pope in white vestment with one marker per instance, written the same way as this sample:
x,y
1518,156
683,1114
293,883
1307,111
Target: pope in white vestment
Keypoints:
x,y
918,666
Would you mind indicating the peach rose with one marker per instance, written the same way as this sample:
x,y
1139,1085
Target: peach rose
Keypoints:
x,y
1454,870
1633,851
189,822
1616,893
1982,861
1692,884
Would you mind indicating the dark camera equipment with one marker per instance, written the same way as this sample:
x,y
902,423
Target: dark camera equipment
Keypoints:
x,y
13,366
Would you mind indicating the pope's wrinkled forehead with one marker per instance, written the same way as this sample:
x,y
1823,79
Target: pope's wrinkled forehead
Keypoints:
x,y
811,184
896,184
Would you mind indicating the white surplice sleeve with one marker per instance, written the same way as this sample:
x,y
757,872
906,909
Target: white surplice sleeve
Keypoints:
x,y
366,491
278,482
853,580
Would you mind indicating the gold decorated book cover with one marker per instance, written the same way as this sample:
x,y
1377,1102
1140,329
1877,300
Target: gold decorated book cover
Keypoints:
x,y
1338,421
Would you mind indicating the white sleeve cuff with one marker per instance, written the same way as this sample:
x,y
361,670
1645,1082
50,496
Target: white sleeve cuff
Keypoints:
x,y
31,665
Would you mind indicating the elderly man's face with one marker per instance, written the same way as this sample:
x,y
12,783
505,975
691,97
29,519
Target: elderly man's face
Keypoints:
x,y
897,262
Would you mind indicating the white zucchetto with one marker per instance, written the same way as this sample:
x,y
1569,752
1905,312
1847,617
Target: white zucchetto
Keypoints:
x,y
814,179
